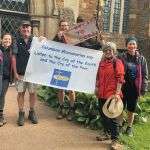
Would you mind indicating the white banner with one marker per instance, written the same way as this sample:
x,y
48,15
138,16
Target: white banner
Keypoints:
x,y
62,66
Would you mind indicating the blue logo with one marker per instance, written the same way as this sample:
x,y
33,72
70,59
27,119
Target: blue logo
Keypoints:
x,y
60,78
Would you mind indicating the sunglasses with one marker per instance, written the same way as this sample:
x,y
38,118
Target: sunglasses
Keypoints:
x,y
65,25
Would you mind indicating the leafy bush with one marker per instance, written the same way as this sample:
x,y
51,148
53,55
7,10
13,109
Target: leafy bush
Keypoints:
x,y
86,105
87,112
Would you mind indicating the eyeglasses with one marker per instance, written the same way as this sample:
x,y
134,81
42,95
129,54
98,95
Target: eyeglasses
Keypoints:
x,y
64,25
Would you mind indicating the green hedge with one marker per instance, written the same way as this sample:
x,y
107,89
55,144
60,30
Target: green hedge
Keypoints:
x,y
87,112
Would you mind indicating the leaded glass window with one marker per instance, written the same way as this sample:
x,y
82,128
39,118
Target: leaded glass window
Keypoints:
x,y
10,24
125,16
12,12
116,17
106,15
14,5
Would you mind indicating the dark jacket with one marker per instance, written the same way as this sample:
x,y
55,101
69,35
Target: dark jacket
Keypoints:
x,y
141,80
91,44
61,40
1,62
6,64
21,51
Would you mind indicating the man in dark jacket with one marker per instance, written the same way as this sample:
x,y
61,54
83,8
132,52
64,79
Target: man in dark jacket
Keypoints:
x,y
20,58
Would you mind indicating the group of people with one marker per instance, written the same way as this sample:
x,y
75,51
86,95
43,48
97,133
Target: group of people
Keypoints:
x,y
14,55
120,76
124,76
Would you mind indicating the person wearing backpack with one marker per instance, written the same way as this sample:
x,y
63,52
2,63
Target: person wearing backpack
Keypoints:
x,y
136,79
108,84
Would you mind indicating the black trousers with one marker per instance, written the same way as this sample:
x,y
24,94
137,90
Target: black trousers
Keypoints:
x,y
111,125
5,84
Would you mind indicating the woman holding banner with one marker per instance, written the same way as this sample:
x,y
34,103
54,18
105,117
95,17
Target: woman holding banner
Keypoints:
x,y
60,37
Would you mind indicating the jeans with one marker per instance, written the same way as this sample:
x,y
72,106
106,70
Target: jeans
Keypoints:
x,y
5,84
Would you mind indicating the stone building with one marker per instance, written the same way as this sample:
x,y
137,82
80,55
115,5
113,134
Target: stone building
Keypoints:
x,y
117,18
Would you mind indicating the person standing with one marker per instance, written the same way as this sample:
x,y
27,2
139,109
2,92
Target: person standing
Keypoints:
x,y
60,37
20,58
6,48
108,84
136,79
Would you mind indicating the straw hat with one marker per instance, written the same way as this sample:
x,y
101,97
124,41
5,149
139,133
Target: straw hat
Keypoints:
x,y
113,107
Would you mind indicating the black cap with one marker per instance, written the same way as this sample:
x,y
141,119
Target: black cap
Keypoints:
x,y
25,22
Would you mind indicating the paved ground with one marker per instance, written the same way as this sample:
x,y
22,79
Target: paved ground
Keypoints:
x,y
49,134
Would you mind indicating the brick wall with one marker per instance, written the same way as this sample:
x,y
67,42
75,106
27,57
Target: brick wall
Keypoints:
x,y
140,25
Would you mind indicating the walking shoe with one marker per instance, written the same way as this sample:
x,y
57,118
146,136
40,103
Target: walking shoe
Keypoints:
x,y
33,117
103,136
2,120
21,118
70,115
60,112
115,145
129,131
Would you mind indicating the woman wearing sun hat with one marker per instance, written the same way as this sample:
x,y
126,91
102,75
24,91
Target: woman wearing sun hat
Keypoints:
x,y
110,77
136,79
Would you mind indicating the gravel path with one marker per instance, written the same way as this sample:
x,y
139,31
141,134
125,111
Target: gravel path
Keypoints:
x,y
49,134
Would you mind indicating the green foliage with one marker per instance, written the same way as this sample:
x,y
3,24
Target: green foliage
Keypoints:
x,y
86,113
141,138
143,109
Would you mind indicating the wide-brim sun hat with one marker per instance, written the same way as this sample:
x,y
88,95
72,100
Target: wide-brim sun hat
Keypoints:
x,y
113,107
